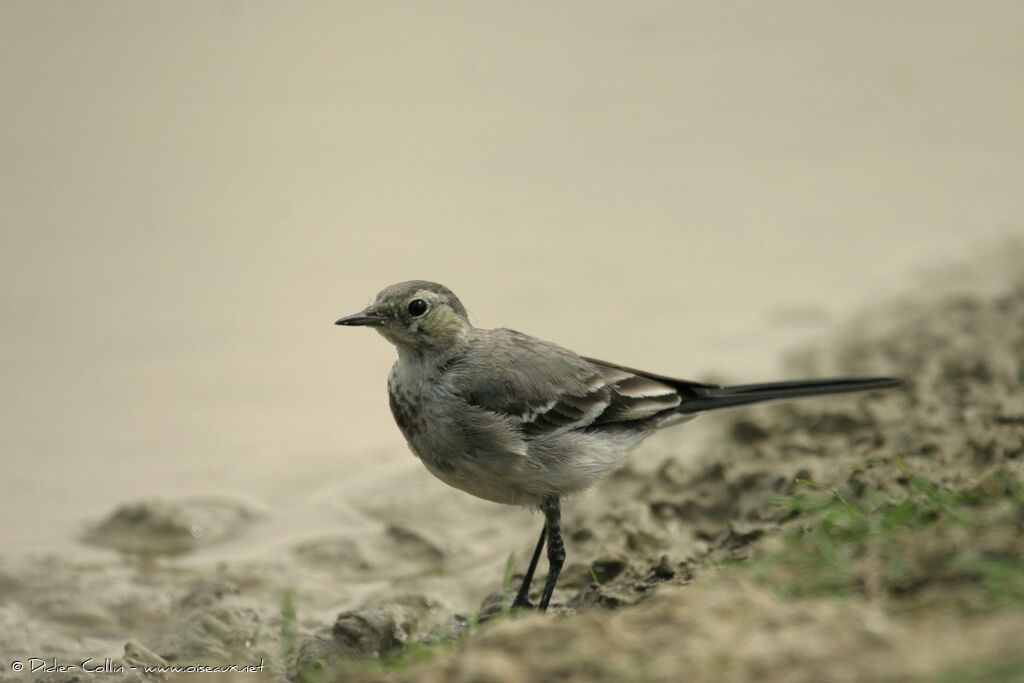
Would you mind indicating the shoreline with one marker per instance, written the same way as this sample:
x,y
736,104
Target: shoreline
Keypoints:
x,y
668,544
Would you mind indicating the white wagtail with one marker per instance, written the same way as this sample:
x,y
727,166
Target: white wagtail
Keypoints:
x,y
518,420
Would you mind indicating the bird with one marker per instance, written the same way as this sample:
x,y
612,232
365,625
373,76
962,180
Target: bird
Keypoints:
x,y
517,420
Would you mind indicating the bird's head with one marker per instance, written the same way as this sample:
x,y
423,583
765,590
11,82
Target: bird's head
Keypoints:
x,y
416,315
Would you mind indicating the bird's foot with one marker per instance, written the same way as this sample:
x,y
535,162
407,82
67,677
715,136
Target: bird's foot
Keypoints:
x,y
522,602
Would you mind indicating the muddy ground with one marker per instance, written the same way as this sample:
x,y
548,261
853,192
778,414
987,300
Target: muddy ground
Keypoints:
x,y
867,537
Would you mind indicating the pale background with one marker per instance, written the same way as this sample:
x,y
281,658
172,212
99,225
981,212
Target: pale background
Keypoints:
x,y
192,192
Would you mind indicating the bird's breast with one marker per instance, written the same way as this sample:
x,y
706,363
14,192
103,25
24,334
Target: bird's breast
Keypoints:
x,y
419,414
408,416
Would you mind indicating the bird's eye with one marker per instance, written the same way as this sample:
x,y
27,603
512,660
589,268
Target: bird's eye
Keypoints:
x,y
417,307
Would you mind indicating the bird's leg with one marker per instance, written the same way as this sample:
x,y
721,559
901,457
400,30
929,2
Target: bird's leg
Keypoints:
x,y
556,550
523,597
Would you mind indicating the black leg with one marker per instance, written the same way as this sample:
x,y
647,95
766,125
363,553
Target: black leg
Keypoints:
x,y
556,550
523,597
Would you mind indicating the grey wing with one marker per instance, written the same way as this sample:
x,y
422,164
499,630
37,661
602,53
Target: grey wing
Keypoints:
x,y
543,388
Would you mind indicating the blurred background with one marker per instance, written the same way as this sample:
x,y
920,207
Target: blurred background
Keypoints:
x,y
191,193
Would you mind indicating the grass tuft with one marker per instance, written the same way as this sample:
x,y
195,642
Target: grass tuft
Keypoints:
x,y
922,536
506,585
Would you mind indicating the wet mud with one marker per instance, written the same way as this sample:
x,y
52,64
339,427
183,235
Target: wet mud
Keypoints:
x,y
655,582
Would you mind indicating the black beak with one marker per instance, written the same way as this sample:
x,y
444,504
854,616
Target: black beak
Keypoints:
x,y
365,317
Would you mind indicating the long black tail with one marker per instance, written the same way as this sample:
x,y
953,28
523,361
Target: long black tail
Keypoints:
x,y
714,398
